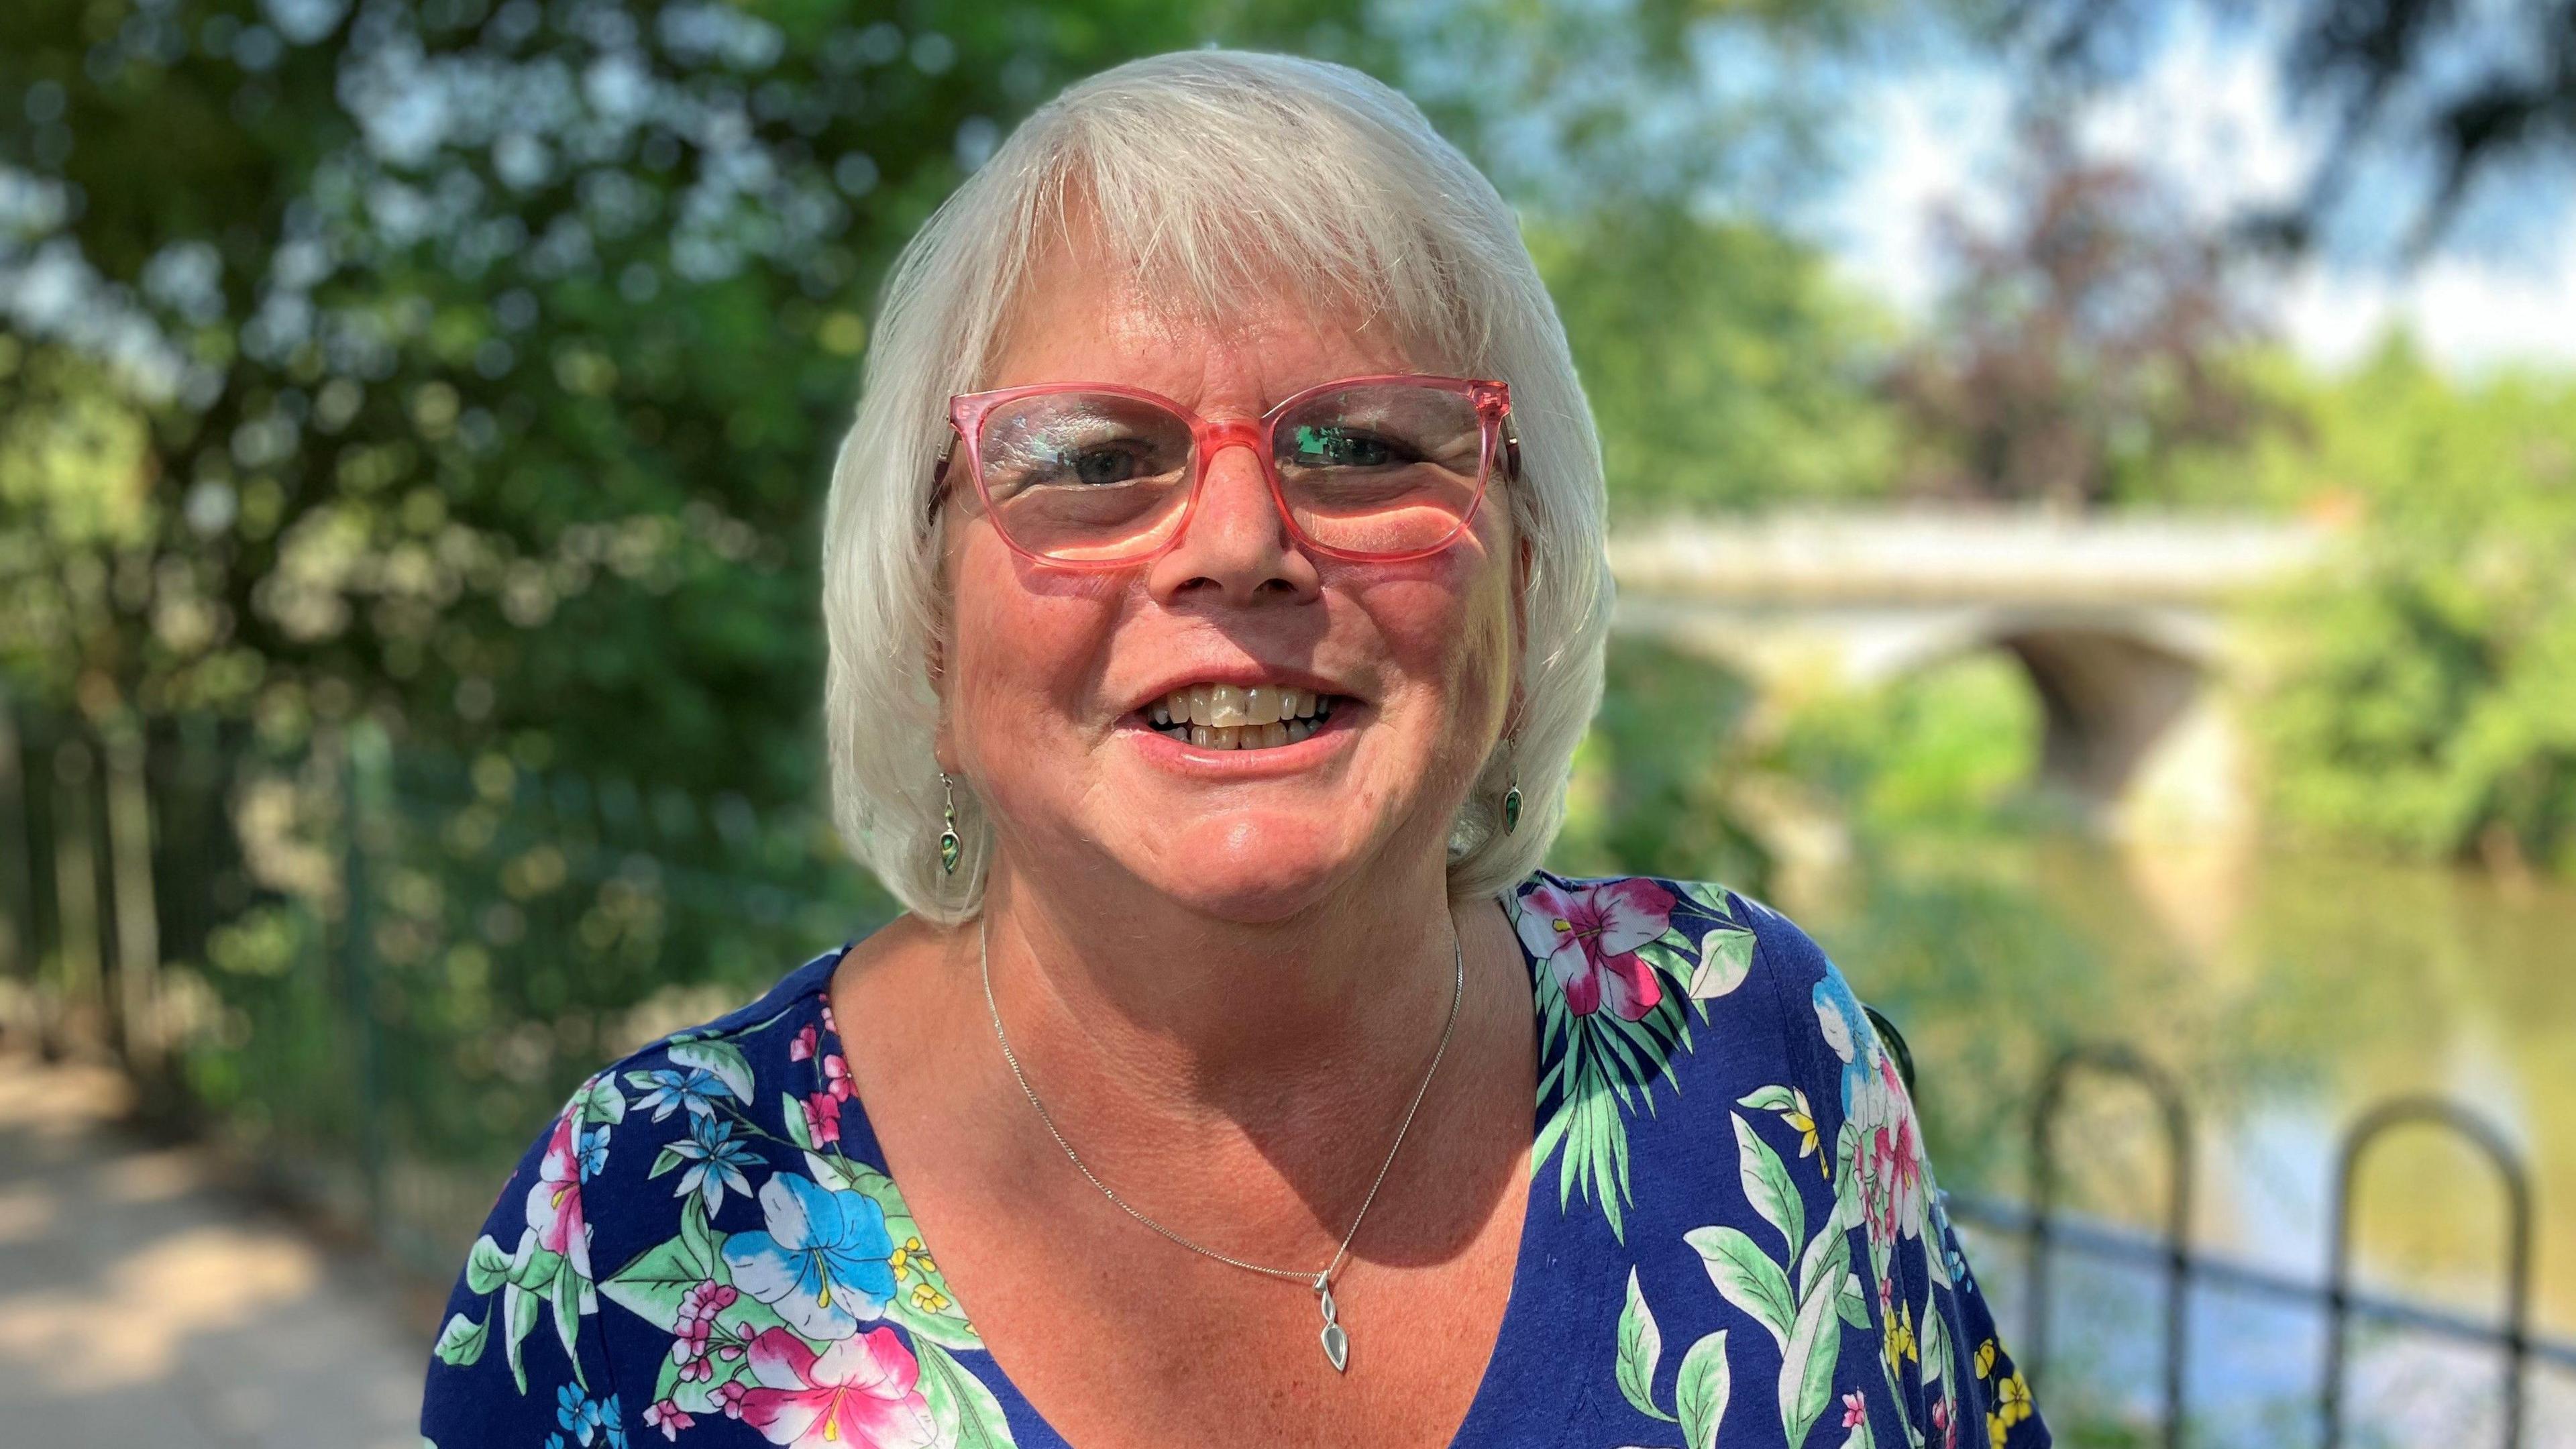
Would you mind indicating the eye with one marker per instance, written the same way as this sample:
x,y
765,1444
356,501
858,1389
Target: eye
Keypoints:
x,y
1099,464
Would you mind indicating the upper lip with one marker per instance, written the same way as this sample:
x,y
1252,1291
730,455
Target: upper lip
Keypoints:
x,y
1242,673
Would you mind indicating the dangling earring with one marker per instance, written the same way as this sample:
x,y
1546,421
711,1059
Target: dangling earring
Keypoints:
x,y
950,847
1512,796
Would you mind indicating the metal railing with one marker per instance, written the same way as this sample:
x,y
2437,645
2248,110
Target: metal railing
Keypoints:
x,y
379,968
2047,1231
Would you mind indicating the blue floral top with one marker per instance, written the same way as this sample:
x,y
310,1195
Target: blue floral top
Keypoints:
x,y
1732,1237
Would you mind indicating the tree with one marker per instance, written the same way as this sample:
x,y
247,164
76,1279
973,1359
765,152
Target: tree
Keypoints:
x,y
2084,345
2426,690
2471,91
486,358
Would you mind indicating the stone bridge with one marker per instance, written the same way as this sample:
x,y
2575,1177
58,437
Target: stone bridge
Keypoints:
x,y
2122,622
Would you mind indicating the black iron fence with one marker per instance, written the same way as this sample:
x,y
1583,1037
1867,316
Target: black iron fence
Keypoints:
x,y
376,969
2046,1231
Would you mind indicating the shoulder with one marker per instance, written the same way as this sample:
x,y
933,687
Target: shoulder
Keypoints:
x,y
1630,953
675,1121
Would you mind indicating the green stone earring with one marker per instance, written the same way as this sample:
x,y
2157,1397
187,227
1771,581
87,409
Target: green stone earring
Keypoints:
x,y
1512,796
950,847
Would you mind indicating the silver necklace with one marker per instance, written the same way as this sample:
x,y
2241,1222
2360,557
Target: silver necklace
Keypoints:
x,y
1336,1340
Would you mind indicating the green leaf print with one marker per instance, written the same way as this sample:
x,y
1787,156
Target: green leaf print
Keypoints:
x,y
1773,1098
968,1415
792,1114
1853,1302
652,1286
1701,1392
1641,1346
566,1299
486,1266
602,1102
721,1058
1725,958
1767,1185
1807,1359
1747,1277
461,1342
518,1317
704,1246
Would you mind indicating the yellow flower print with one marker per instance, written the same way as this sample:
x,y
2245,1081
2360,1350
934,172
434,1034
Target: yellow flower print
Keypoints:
x,y
1996,1430
1900,1337
1803,1119
927,1298
904,1259
1986,1359
2013,1400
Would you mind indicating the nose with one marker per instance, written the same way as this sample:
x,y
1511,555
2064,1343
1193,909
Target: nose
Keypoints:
x,y
1236,547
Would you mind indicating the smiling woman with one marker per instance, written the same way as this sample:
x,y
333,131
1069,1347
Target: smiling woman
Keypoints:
x,y
1215,583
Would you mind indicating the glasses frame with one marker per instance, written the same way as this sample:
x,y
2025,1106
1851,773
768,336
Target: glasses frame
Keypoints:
x,y
1493,403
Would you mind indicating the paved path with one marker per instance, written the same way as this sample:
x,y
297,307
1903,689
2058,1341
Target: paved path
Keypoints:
x,y
141,1303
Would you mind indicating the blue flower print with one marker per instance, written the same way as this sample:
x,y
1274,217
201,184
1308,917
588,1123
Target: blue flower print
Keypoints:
x,y
716,1160
589,1421
822,1263
594,1152
672,1088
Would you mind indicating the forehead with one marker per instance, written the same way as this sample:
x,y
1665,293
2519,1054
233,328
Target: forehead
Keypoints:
x,y
1083,317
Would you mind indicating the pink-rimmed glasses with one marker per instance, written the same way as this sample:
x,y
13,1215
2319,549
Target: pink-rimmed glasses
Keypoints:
x,y
1378,469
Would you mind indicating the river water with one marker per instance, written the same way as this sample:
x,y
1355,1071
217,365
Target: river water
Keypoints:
x,y
2288,994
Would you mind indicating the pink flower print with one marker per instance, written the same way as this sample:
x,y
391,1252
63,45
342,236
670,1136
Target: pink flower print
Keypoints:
x,y
1941,1422
667,1417
698,1312
729,1395
802,1048
1589,937
857,1392
1855,1409
823,1118
1891,1162
554,1202
828,1024
836,1077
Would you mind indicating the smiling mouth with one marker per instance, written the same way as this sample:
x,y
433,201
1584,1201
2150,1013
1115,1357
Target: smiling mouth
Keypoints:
x,y
1240,717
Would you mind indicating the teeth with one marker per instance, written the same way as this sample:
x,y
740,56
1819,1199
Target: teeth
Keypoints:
x,y
1239,717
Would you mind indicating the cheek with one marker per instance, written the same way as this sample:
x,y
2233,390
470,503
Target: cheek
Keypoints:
x,y
1448,635
1022,658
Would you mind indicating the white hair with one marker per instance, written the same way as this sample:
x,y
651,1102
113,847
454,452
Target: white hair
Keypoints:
x,y
1207,171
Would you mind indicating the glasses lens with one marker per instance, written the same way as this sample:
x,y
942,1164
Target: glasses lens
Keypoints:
x,y
1085,475
1381,467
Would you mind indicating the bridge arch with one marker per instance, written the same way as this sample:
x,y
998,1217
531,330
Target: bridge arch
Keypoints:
x,y
2121,626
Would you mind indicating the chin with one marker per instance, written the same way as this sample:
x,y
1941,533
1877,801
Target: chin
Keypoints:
x,y
1249,868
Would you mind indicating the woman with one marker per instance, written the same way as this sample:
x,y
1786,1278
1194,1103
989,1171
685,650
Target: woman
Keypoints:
x,y
1216,593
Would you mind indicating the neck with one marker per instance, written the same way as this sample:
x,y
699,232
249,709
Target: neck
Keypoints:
x,y
1143,1005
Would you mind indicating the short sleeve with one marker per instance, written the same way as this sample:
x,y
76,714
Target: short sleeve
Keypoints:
x,y
1944,1359
519,1357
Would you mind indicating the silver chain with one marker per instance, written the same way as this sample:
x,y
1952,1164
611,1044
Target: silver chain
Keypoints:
x,y
1317,1281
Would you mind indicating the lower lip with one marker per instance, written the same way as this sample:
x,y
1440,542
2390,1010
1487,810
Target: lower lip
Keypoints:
x,y
1329,739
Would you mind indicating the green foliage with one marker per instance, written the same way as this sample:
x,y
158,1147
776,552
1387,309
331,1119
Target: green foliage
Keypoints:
x,y
1724,366
1651,786
1951,748
477,365
2427,691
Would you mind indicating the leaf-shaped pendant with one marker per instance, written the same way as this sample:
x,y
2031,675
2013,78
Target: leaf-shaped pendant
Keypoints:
x,y
949,849
1337,1344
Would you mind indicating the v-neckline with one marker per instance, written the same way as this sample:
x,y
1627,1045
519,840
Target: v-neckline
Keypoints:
x,y
1521,1352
